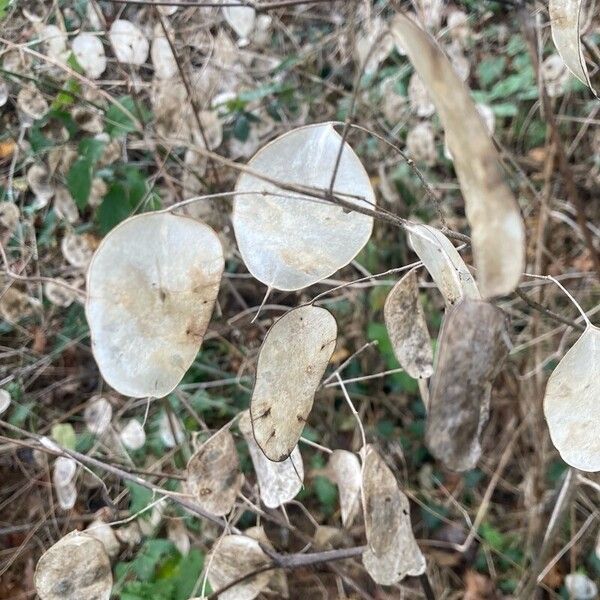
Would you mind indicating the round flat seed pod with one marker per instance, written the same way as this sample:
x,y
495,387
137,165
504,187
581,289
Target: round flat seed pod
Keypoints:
x,y
129,43
152,285
233,557
133,435
89,52
4,400
292,361
392,552
278,482
287,240
213,474
76,567
572,403
405,321
97,415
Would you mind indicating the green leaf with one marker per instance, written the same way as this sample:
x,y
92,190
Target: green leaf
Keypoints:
x,y
151,553
79,181
139,498
326,493
68,94
118,121
64,435
241,128
492,536
490,70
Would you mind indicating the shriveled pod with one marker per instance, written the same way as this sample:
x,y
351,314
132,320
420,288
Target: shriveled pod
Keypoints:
x,y
407,328
498,233
292,361
89,52
39,183
233,557
443,262
129,43
76,567
290,240
473,345
278,482
344,469
213,474
152,285
31,103
392,552
572,403
98,415
565,17
133,435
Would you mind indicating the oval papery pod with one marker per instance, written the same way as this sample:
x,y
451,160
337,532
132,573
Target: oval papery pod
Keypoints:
x,y
565,17
129,43
241,19
104,533
278,482
344,469
133,435
178,534
170,430
498,234
291,363
473,345
392,552
278,584
571,403
580,587
165,65
54,41
64,205
213,474
3,92
407,328
443,262
373,45
4,400
555,75
289,240
76,567
89,53
57,293
77,249
64,470
97,415
66,495
39,183
9,217
233,557
152,285
420,144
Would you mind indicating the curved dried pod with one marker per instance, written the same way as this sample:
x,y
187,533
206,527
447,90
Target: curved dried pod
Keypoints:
x,y
571,403
64,205
32,103
489,118
133,435
565,18
344,469
104,533
76,567
233,557
89,52
77,249
241,19
152,285
165,65
289,241
129,43
443,262
392,552
292,360
98,415
39,183
473,345
555,75
498,235
58,293
420,144
213,474
419,98
407,328
5,400
278,482
9,217
3,92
